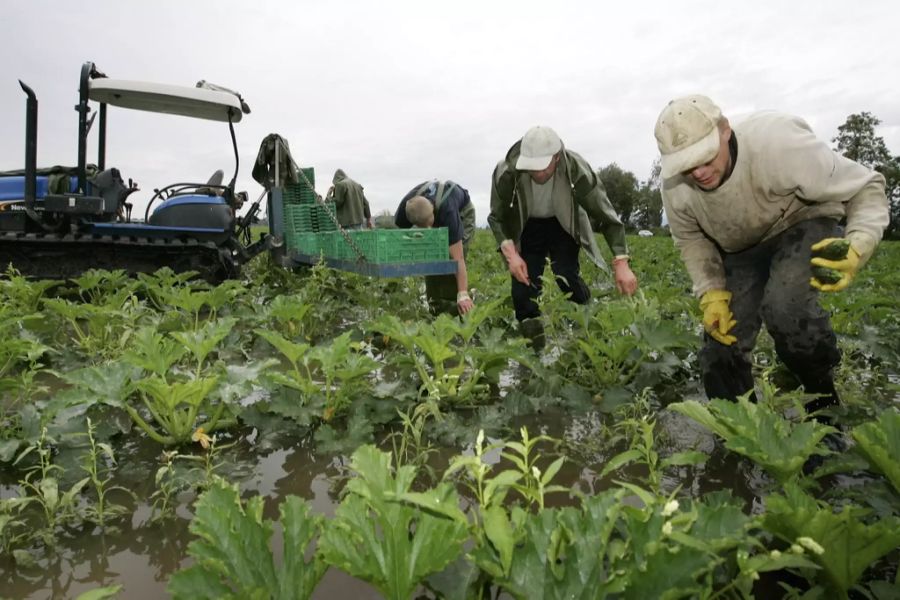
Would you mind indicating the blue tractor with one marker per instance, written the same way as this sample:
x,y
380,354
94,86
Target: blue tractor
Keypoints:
x,y
60,221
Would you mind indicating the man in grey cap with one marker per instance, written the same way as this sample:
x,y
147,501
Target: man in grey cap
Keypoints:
x,y
755,212
350,202
547,201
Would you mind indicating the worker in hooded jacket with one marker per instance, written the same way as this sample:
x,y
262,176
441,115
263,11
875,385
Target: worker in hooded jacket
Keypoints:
x,y
350,202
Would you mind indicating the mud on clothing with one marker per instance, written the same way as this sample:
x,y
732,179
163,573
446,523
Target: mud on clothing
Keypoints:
x,y
782,175
769,283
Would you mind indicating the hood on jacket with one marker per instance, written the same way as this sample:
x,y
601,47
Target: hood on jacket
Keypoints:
x,y
339,175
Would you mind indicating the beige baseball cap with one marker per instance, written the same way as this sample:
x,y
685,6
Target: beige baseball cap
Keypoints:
x,y
687,134
539,144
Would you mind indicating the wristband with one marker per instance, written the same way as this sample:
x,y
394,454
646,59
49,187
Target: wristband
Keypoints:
x,y
460,296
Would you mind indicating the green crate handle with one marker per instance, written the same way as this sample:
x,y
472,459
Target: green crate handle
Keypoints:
x,y
416,235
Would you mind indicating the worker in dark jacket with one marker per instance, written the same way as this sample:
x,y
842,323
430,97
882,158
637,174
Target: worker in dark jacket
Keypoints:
x,y
443,204
350,202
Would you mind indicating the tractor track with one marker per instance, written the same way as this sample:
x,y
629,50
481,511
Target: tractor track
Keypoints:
x,y
63,256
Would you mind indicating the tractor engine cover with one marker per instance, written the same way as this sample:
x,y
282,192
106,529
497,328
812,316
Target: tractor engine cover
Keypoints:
x,y
208,212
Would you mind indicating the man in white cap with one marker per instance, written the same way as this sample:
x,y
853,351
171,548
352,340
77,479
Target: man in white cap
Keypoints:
x,y
755,212
547,201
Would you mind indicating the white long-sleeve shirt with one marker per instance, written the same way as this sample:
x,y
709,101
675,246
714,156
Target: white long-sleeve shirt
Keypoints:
x,y
783,175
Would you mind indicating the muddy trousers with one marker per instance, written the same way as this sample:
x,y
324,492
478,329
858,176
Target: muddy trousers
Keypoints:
x,y
770,284
542,238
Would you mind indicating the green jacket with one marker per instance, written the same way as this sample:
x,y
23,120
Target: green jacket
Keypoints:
x,y
349,200
509,208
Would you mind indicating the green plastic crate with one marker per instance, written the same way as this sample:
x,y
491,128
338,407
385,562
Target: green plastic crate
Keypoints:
x,y
321,220
395,245
300,193
327,243
308,243
364,240
305,243
298,218
308,218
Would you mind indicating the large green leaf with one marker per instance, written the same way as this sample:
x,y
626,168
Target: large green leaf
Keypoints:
x,y
559,552
153,352
108,384
293,351
460,580
756,431
232,554
720,520
110,591
378,537
850,544
668,573
205,339
658,566
879,443
299,577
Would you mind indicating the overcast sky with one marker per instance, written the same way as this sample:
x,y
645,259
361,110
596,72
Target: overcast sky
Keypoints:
x,y
399,92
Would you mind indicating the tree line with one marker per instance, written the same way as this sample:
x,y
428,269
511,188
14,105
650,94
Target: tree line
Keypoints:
x,y
639,202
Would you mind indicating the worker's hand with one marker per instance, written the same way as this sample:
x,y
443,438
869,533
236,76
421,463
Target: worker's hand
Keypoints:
x,y
626,282
717,317
369,223
517,266
835,266
464,302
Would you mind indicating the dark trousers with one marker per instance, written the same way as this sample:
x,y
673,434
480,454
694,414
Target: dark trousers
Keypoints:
x,y
542,238
770,284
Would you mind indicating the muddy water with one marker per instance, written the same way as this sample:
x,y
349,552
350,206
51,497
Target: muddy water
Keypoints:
x,y
144,553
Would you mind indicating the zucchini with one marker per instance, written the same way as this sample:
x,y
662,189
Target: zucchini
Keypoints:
x,y
836,250
825,275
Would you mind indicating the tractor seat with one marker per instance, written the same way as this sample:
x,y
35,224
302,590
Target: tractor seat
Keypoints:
x,y
216,180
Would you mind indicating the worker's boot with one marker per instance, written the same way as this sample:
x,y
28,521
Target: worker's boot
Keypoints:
x,y
533,331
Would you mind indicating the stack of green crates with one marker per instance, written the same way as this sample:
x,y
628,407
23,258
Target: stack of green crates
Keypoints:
x,y
300,193
309,229
304,218
392,245
308,218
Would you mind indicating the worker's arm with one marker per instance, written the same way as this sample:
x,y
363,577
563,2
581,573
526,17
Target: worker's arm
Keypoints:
x,y
463,301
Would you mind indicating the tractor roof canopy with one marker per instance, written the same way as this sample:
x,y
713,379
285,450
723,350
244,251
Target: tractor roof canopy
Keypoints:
x,y
199,103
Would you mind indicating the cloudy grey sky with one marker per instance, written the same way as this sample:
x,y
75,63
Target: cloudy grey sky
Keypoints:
x,y
399,92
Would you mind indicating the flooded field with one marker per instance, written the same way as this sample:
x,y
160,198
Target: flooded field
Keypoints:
x,y
100,487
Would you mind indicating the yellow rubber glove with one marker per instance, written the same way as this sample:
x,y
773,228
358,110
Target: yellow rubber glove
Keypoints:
x,y
846,267
717,317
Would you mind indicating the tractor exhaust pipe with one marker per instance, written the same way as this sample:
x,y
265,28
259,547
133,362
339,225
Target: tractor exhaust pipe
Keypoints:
x,y
31,122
